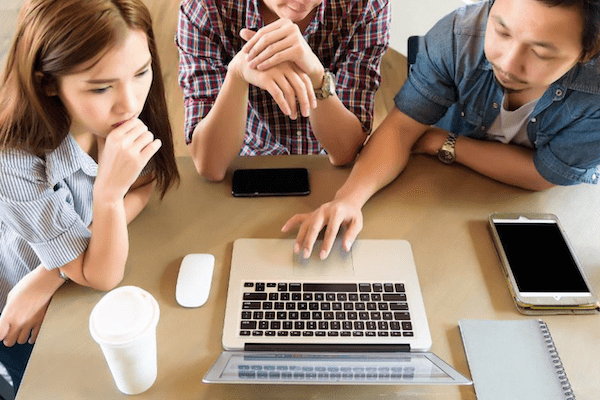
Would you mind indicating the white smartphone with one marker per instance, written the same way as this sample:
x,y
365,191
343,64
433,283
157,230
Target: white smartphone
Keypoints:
x,y
542,271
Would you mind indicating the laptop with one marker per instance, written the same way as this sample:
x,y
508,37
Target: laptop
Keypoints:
x,y
355,318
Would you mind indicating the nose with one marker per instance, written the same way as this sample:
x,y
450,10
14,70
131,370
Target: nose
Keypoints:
x,y
512,61
126,101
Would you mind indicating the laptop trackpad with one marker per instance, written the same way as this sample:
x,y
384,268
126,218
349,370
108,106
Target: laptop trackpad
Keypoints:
x,y
339,262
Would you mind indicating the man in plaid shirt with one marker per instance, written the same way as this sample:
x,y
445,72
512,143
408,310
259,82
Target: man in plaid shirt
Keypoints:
x,y
265,77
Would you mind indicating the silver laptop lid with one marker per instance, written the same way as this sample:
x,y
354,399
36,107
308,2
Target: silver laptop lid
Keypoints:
x,y
370,262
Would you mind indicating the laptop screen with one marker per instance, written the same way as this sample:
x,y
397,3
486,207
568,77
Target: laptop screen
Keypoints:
x,y
332,368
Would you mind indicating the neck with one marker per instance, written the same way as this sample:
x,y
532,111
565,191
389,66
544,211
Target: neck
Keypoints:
x,y
515,100
269,16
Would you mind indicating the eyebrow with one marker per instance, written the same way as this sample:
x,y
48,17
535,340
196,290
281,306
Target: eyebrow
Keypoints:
x,y
545,45
101,81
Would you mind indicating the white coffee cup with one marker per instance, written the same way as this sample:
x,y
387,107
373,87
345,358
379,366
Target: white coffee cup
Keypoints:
x,y
124,323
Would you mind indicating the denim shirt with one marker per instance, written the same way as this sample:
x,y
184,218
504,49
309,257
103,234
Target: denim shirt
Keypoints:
x,y
451,85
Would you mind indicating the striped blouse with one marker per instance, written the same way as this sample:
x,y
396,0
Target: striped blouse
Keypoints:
x,y
348,36
45,210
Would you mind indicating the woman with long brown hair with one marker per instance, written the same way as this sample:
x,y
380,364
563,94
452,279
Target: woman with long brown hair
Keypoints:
x,y
84,139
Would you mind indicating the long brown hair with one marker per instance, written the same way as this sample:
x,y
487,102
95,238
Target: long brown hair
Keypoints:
x,y
53,38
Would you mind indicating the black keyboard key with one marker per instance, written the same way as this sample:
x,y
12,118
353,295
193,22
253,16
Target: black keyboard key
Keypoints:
x,y
352,315
407,326
248,284
348,306
399,287
330,296
302,306
258,315
394,297
345,333
375,297
263,324
364,316
408,334
340,315
347,325
313,306
299,325
308,333
270,333
293,315
295,333
323,325
382,306
317,315
279,305
371,306
399,316
248,325
320,333
259,287
325,306
330,287
282,287
257,333
284,296
364,287
287,325
281,315
255,296
371,325
290,305
312,325
359,306
244,333
251,305
359,325
296,296
307,297
365,297
335,325
271,284
332,333
398,306
295,287
246,315
352,297
270,315
395,325
382,325
273,296
336,306
327,315
388,287
282,333
377,287
267,305
387,315
375,315
319,297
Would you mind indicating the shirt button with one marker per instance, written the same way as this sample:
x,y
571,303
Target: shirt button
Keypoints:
x,y
594,177
495,105
483,128
534,119
462,113
559,92
299,133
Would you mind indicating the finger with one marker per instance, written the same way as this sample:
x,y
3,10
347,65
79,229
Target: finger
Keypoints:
x,y
143,140
34,334
151,149
310,91
273,54
260,33
289,95
11,337
301,92
24,335
294,221
333,227
310,234
4,327
125,127
352,230
277,94
246,34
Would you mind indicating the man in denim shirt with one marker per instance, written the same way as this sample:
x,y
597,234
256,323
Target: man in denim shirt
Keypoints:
x,y
509,88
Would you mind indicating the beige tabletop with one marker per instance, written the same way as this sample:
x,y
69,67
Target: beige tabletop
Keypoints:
x,y
441,210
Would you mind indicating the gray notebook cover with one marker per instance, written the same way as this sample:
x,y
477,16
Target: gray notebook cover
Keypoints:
x,y
514,360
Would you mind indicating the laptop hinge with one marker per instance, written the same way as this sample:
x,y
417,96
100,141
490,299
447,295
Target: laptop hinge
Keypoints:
x,y
330,347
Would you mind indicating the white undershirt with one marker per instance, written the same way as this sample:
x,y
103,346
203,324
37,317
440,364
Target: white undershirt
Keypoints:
x,y
511,126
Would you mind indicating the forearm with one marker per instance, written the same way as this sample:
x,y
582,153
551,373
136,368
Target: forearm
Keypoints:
x,y
136,200
338,130
506,163
382,159
219,136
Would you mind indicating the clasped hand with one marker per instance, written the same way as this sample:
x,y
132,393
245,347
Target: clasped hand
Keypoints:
x,y
277,59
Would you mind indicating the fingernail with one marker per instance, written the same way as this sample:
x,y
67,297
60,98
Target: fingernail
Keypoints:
x,y
348,245
296,248
323,254
305,253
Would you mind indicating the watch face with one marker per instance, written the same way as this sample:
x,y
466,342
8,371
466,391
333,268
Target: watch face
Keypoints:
x,y
446,156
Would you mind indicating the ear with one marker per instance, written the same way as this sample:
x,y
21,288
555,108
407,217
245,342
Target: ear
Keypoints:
x,y
47,83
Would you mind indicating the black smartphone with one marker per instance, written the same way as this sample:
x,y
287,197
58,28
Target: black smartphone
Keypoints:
x,y
543,273
270,182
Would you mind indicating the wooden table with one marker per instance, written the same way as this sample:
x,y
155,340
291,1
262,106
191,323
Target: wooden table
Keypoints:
x,y
441,210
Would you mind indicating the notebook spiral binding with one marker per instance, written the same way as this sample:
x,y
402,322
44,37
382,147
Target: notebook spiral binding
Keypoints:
x,y
560,371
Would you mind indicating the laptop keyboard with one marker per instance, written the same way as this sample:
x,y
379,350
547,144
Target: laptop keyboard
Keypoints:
x,y
325,310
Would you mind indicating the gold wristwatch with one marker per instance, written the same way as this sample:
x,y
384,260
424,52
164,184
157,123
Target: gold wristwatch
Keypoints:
x,y
327,88
447,154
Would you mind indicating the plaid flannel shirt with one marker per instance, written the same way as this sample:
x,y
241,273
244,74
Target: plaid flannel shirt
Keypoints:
x,y
348,36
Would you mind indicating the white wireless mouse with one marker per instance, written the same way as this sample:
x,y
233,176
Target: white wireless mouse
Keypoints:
x,y
194,279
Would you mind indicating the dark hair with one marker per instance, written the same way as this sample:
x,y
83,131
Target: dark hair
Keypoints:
x,y
53,38
590,11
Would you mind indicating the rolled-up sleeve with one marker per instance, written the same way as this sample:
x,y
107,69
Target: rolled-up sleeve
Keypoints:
x,y
201,65
358,77
43,216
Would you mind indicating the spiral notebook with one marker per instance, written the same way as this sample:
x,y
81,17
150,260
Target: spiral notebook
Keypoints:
x,y
514,360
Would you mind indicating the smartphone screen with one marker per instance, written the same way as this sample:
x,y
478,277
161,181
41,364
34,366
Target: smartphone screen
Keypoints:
x,y
270,182
539,258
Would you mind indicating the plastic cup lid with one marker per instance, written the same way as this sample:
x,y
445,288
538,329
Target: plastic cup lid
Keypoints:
x,y
122,315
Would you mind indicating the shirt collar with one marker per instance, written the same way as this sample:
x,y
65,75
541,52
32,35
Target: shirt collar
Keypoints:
x,y
254,18
67,159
